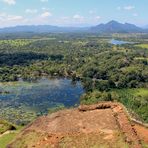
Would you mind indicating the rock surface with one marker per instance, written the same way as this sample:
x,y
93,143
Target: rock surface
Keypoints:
x,y
100,125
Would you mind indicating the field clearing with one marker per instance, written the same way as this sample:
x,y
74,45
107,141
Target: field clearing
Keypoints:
x,y
141,92
16,42
22,42
142,45
141,58
135,92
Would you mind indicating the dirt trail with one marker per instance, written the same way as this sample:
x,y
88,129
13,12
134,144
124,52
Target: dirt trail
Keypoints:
x,y
103,124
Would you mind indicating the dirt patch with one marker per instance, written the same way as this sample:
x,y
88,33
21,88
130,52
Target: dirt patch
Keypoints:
x,y
100,125
74,121
142,132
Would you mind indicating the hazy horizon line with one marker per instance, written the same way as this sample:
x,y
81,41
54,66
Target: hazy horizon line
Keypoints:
x,y
72,25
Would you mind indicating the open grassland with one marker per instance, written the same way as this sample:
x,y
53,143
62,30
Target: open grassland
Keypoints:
x,y
22,42
142,45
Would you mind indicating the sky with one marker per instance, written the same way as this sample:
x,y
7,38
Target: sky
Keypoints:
x,y
72,12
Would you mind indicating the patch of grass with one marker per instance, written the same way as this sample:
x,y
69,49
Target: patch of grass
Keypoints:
x,y
143,92
55,109
144,145
16,42
141,58
26,140
93,141
136,100
142,45
5,126
95,97
6,139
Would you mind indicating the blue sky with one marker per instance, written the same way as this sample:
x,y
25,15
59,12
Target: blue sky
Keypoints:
x,y
72,12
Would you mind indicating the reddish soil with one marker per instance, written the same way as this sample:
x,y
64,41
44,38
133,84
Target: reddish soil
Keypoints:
x,y
74,121
131,136
86,126
142,132
130,133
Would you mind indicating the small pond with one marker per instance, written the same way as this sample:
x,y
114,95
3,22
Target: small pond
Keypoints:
x,y
119,42
21,101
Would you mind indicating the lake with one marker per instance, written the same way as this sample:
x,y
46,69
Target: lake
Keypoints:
x,y
21,102
119,42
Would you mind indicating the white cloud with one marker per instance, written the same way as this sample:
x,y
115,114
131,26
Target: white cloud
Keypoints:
x,y
3,14
14,18
32,11
10,2
126,8
97,17
77,19
77,16
46,14
6,17
11,20
44,0
129,7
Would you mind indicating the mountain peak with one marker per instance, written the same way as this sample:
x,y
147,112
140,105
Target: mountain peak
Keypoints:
x,y
113,22
116,27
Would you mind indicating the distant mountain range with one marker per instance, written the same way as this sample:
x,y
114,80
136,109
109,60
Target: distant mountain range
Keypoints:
x,y
40,29
110,27
116,27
